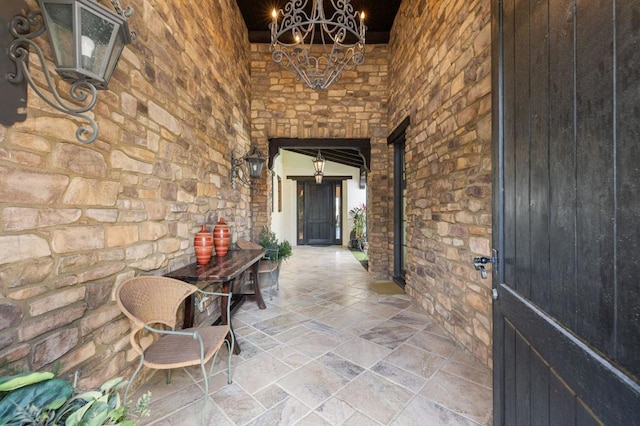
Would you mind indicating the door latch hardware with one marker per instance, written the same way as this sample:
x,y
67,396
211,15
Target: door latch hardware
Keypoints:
x,y
479,262
494,293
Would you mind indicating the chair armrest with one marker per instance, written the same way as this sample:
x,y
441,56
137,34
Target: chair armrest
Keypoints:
x,y
193,334
214,293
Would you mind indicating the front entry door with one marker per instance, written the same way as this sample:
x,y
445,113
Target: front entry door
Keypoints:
x,y
566,93
320,224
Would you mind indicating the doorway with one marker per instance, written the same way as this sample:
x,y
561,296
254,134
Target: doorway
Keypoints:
x,y
398,140
319,208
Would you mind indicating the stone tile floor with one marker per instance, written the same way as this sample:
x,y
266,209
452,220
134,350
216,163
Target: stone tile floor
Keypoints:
x,y
329,351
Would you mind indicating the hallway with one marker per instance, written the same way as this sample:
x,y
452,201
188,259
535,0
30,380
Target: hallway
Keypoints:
x,y
329,351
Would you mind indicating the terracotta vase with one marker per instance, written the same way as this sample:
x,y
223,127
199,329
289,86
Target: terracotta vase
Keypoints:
x,y
221,238
203,245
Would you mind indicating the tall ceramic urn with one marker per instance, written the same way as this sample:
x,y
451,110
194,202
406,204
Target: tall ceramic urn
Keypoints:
x,y
221,237
203,245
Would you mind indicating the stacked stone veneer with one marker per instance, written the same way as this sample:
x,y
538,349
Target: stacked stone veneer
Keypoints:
x,y
75,220
439,76
355,106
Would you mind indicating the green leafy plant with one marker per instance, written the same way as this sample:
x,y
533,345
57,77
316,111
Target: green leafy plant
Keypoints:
x,y
359,217
35,398
268,239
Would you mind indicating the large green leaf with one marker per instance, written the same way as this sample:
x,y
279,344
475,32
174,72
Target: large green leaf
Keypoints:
x,y
47,395
97,414
9,383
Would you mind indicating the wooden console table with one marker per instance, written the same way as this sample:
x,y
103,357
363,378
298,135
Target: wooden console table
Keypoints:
x,y
223,270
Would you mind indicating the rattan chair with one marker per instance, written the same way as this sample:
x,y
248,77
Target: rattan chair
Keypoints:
x,y
151,301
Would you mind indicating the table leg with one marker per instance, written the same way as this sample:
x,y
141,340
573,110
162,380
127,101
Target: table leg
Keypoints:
x,y
256,286
223,316
188,312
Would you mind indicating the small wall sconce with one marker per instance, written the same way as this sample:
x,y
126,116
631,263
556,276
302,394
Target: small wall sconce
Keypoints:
x,y
255,160
87,40
318,165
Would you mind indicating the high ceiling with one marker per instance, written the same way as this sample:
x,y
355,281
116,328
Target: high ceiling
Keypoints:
x,y
379,17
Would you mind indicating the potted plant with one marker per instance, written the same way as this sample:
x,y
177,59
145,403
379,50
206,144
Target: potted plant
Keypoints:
x,y
268,239
358,233
40,399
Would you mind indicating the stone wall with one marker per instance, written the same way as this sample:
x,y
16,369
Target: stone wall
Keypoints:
x,y
355,106
75,220
439,76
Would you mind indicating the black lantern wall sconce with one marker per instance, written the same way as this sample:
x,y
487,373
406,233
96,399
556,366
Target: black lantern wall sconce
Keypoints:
x,y
255,163
86,39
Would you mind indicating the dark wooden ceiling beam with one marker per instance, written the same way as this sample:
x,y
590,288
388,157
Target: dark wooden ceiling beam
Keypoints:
x,y
351,152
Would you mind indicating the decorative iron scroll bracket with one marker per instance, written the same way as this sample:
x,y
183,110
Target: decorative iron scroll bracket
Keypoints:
x,y
14,95
84,94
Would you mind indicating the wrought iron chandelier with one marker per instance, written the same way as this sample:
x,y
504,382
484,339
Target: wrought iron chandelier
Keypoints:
x,y
316,48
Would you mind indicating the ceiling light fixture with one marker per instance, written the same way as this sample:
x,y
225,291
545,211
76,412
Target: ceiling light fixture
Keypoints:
x,y
87,40
339,40
318,165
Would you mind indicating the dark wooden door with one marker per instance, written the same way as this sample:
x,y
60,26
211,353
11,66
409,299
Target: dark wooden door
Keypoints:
x,y
566,212
320,226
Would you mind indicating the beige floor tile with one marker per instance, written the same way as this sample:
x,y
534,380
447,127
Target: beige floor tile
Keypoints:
x,y
327,351
287,412
436,344
260,371
335,411
416,361
313,419
362,352
404,378
424,412
460,396
359,419
271,395
389,334
312,383
314,344
239,406
381,399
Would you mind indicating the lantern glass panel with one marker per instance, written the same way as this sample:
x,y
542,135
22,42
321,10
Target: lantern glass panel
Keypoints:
x,y
60,29
118,46
256,165
95,38
318,164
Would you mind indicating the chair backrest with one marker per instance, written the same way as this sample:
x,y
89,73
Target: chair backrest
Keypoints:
x,y
152,299
271,254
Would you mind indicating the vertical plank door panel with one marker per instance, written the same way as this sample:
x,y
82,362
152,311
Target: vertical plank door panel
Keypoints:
x,y
595,184
628,186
